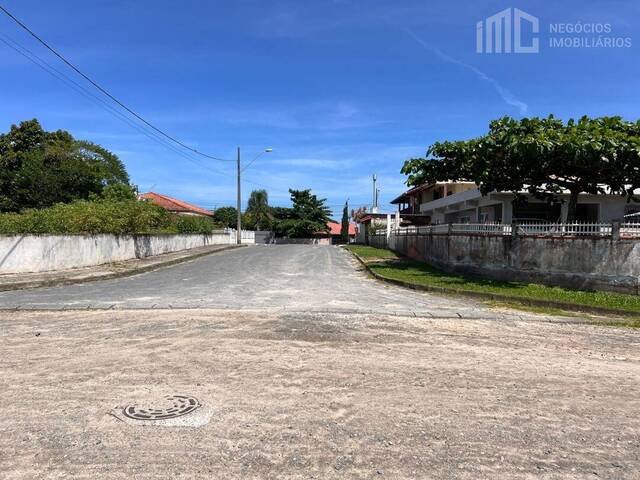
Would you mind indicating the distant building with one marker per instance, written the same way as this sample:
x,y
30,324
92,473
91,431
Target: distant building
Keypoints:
x,y
367,222
335,230
333,235
410,203
174,205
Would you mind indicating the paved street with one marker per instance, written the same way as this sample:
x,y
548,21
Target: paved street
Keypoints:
x,y
294,377
274,277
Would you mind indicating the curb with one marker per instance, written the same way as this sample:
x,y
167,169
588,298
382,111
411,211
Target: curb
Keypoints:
x,y
497,296
109,276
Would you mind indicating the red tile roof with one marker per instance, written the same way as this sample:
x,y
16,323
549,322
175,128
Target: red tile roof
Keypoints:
x,y
335,228
173,204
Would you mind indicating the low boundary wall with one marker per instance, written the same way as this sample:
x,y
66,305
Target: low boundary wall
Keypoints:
x,y
43,253
302,241
583,262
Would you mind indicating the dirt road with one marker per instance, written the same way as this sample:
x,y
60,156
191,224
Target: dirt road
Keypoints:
x,y
317,395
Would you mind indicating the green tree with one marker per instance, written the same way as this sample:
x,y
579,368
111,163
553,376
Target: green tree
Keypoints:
x,y
281,213
39,168
544,157
117,192
344,228
226,216
258,209
309,215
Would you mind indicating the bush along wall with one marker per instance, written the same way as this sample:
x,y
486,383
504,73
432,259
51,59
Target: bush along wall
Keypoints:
x,y
117,217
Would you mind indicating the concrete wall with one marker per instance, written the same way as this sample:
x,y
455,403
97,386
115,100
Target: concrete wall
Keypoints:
x,y
42,253
586,263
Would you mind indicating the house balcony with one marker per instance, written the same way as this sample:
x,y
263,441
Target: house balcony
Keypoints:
x,y
452,202
409,211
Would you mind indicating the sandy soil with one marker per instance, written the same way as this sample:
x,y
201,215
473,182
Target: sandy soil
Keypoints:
x,y
317,396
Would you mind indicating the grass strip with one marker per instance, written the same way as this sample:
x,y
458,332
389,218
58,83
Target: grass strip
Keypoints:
x,y
388,265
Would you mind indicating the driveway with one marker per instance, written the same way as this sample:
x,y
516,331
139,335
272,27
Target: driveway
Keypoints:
x,y
294,377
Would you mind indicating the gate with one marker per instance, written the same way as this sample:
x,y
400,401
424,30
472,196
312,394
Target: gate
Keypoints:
x,y
265,236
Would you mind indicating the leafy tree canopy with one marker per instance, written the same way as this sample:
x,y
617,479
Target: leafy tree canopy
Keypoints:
x,y
308,216
227,217
544,157
258,210
39,169
281,213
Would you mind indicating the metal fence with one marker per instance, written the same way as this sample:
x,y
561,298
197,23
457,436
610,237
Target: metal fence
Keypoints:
x,y
563,229
542,229
630,230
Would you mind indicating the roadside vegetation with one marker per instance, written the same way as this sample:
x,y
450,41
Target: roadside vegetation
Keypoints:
x,y
307,216
371,253
118,217
52,183
39,169
541,156
388,265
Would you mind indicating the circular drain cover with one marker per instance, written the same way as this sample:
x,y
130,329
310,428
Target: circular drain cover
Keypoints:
x,y
173,406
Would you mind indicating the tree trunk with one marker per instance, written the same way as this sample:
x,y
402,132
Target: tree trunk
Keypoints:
x,y
571,208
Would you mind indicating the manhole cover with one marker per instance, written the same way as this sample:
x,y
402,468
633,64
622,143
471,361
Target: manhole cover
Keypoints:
x,y
173,406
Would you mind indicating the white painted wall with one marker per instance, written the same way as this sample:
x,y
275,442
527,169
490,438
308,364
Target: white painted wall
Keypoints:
x,y
44,253
611,207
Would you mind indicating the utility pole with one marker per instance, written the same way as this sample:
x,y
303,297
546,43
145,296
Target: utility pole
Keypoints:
x,y
239,206
374,205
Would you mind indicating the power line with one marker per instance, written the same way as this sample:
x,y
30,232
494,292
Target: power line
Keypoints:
x,y
69,82
110,109
72,84
104,91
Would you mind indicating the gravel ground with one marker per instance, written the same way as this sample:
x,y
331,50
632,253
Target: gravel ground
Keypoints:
x,y
304,395
305,368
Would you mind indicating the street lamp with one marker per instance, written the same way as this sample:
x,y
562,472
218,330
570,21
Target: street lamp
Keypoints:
x,y
239,200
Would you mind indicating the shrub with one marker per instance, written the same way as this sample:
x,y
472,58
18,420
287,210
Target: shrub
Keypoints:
x,y
194,224
119,217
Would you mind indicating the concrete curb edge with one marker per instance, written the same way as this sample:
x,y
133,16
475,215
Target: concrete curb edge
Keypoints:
x,y
109,276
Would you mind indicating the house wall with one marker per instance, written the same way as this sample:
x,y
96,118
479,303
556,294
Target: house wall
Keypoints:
x,y
611,207
362,233
586,263
452,188
42,253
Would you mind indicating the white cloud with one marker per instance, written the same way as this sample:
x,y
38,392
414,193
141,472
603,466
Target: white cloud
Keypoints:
x,y
508,97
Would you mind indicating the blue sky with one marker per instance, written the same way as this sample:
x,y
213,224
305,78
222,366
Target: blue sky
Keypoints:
x,y
339,89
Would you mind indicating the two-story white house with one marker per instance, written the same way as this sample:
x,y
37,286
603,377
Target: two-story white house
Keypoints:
x,y
462,202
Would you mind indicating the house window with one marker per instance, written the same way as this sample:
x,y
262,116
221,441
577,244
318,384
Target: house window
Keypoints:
x,y
535,211
587,212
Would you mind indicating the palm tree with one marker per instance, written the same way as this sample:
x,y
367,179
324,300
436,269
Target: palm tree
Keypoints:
x,y
258,207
